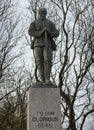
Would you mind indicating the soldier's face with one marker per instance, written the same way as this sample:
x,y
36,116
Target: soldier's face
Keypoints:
x,y
42,15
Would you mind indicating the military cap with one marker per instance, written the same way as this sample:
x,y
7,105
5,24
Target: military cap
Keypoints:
x,y
43,10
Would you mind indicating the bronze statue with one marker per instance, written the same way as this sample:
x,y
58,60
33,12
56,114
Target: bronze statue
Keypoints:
x,y
43,31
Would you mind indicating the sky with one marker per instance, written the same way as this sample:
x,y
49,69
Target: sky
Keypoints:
x,y
28,56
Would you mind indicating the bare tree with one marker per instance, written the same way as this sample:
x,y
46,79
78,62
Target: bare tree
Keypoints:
x,y
11,95
14,104
76,61
72,65
9,35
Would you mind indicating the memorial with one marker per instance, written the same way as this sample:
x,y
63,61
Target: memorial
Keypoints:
x,y
43,110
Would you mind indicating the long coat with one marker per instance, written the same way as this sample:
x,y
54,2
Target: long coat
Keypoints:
x,y
39,40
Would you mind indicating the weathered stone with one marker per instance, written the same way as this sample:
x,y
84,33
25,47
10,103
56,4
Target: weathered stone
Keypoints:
x,y
43,111
43,31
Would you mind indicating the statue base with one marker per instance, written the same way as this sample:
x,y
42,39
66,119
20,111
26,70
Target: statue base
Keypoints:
x,y
43,111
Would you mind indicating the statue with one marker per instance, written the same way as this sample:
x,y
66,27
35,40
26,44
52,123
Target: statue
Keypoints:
x,y
43,31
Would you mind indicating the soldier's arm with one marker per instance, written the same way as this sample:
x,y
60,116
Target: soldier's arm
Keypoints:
x,y
53,31
33,32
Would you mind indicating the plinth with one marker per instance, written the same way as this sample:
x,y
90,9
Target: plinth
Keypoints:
x,y
43,111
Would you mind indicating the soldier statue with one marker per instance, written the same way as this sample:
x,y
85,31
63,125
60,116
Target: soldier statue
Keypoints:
x,y
43,31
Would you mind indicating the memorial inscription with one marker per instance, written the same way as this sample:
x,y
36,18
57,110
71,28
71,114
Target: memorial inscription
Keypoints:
x,y
44,109
44,119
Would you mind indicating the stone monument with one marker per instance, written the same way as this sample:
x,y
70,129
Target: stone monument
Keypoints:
x,y
43,111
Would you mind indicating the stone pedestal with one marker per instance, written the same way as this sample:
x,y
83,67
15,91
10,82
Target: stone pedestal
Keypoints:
x,y
43,112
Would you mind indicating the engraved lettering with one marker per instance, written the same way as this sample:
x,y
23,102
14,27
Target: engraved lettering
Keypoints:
x,y
49,113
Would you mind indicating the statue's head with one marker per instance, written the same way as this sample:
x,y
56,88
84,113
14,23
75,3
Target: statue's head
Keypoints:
x,y
42,13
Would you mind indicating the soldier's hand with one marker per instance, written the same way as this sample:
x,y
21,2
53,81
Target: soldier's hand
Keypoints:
x,y
45,29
